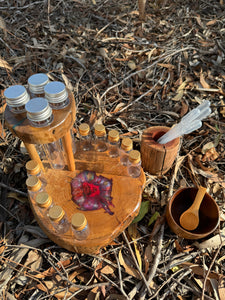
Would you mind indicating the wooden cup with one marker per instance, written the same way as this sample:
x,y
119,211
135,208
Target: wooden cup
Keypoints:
x,y
208,213
157,158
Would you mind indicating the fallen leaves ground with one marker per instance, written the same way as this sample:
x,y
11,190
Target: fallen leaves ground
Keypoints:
x,y
128,75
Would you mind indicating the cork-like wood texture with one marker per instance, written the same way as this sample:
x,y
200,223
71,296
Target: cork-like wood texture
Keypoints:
x,y
157,158
104,227
62,123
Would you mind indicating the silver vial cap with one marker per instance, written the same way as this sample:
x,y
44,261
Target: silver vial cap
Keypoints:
x,y
16,95
38,109
55,92
37,83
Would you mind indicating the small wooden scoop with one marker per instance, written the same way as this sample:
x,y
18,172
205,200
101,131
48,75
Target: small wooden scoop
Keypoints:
x,y
190,218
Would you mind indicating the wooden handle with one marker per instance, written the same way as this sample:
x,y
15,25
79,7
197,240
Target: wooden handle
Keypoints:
x,y
198,198
33,154
67,144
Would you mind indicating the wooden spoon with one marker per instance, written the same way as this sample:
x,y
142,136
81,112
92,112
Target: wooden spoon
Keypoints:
x,y
190,218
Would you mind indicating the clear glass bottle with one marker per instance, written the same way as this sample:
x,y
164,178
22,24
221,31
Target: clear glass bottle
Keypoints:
x,y
34,186
134,165
100,138
44,202
125,148
16,97
58,219
33,168
36,84
113,143
85,138
56,94
39,113
80,226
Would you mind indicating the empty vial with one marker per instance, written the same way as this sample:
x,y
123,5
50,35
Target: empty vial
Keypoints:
x,y
125,148
85,137
44,202
36,84
39,113
33,168
80,226
113,143
134,164
56,94
34,186
100,138
58,219
16,98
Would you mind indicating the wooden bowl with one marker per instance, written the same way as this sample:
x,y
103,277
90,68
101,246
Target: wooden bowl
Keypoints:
x,y
157,158
208,213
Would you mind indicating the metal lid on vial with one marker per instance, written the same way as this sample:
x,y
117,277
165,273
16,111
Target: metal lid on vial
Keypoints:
x,y
33,183
135,157
37,83
33,167
55,92
113,135
127,144
38,109
16,95
56,213
100,130
43,199
78,221
84,129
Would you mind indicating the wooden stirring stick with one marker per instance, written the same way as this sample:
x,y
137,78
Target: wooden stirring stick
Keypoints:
x,y
190,218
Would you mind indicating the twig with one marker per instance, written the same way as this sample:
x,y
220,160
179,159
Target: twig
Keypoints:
x,y
136,263
209,269
155,262
13,189
120,277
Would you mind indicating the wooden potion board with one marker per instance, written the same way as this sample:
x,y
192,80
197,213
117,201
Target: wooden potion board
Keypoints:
x,y
110,218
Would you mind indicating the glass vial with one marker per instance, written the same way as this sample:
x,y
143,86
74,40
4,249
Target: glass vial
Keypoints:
x,y
100,138
80,226
58,219
125,148
16,97
39,113
34,186
56,94
44,202
85,138
134,165
36,84
113,143
33,168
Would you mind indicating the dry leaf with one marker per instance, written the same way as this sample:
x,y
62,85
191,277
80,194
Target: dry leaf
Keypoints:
x,y
3,26
204,84
131,64
212,22
130,270
168,66
210,155
67,82
221,288
222,109
132,230
4,64
107,270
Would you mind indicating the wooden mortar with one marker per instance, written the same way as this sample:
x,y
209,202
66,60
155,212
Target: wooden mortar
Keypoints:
x,y
157,158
